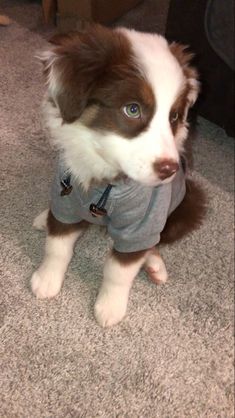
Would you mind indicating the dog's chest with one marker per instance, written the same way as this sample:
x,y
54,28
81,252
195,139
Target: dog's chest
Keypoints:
x,y
70,203
134,214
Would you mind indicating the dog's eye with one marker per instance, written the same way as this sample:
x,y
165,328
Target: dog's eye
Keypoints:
x,y
132,110
174,117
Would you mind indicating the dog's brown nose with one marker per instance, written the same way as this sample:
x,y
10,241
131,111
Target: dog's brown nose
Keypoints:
x,y
165,168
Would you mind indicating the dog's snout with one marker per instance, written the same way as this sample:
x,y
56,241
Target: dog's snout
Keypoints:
x,y
165,168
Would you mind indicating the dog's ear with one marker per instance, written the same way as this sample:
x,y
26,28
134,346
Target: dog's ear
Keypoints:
x,y
73,65
185,57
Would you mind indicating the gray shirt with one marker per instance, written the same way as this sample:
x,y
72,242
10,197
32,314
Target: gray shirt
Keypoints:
x,y
136,214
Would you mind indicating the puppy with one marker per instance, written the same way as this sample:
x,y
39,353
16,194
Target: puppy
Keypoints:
x,y
116,107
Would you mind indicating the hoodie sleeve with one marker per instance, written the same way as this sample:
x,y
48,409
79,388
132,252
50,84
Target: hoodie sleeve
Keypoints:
x,y
137,221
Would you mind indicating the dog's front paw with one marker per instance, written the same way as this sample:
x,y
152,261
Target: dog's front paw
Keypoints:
x,y
40,222
110,307
45,284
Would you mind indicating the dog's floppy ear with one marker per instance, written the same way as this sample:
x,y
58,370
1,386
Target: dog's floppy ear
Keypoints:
x,y
72,66
184,58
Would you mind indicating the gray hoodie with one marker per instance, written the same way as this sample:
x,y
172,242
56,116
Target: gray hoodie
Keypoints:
x,y
136,214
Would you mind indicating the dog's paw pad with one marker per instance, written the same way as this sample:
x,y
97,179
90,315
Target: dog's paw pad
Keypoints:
x,y
45,286
109,310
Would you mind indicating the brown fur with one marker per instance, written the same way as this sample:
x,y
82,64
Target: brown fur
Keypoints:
x,y
96,70
97,75
57,228
179,107
127,258
187,216
113,94
184,58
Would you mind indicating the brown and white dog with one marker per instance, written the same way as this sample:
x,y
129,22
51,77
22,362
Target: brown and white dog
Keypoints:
x,y
116,107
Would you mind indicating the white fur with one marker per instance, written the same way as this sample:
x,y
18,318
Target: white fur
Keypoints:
x,y
40,222
111,303
106,155
47,281
49,58
91,155
155,267
166,77
81,144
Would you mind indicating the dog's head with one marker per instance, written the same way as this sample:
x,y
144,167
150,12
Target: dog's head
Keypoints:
x,y
118,102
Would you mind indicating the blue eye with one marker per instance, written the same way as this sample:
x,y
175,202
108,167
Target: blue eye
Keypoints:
x,y
132,110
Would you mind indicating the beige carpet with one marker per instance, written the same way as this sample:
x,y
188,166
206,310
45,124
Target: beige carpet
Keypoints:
x,y
172,356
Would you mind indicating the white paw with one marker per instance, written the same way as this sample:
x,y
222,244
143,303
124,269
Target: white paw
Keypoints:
x,y
110,307
40,222
45,284
156,269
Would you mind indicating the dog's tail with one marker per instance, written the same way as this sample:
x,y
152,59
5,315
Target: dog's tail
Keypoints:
x,y
187,216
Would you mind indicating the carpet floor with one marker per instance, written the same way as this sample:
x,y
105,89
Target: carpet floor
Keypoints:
x,y
172,356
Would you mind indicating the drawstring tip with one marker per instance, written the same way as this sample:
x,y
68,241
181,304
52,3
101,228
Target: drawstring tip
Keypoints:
x,y
99,208
96,211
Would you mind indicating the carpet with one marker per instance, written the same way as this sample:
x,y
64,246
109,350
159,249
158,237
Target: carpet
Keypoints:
x,y
172,356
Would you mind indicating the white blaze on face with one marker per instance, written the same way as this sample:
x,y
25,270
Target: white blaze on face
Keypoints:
x,y
106,154
164,74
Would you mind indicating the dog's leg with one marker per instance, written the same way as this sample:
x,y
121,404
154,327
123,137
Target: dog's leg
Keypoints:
x,y
155,267
46,282
119,272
